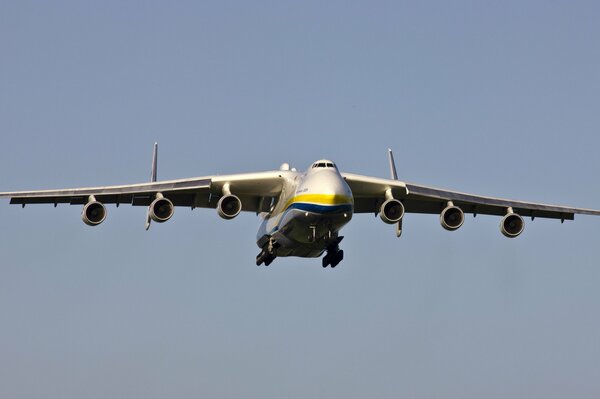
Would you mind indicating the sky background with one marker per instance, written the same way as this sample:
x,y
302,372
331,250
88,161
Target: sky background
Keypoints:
x,y
485,97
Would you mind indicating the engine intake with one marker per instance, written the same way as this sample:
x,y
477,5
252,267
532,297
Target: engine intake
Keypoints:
x,y
93,213
229,206
391,211
161,210
452,217
512,225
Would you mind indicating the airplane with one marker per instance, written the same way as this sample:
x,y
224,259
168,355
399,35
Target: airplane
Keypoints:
x,y
301,213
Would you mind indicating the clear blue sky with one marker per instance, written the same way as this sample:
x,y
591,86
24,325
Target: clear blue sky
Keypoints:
x,y
497,99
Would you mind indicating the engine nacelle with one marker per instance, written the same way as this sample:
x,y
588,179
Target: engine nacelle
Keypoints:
x,y
161,210
391,211
93,213
229,206
512,225
452,217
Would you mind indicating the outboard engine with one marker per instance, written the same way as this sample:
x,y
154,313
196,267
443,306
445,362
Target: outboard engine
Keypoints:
x,y
512,225
229,206
452,217
391,211
161,209
93,213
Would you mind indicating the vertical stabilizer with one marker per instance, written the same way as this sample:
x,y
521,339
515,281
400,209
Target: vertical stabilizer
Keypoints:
x,y
154,165
152,179
394,176
392,165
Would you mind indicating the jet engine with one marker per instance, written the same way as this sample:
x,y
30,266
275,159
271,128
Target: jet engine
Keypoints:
x,y
229,206
93,213
512,225
161,210
391,211
452,217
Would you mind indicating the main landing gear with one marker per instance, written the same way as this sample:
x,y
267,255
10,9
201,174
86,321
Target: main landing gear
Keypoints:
x,y
267,254
334,254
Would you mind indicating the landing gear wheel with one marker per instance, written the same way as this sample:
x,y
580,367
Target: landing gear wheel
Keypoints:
x,y
265,258
262,257
333,257
339,256
269,260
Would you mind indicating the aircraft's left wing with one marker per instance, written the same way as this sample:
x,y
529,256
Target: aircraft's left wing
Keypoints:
x,y
370,193
255,190
423,199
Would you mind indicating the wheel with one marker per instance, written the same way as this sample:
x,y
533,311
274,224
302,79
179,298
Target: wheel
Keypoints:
x,y
269,260
339,255
260,258
326,260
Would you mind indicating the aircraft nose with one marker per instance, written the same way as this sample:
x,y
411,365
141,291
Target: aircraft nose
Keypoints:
x,y
333,183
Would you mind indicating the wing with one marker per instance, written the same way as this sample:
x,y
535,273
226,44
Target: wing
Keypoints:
x,y
255,190
369,194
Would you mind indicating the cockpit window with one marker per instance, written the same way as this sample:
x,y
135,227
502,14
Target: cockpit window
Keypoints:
x,y
324,165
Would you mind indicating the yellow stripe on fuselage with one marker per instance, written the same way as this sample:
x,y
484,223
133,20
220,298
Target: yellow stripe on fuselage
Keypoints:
x,y
320,199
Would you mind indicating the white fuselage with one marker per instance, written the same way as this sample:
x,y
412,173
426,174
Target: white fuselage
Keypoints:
x,y
312,208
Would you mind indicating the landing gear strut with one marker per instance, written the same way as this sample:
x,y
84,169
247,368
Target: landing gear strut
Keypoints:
x,y
267,254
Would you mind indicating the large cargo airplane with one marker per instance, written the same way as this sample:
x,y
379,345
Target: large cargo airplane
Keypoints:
x,y
301,212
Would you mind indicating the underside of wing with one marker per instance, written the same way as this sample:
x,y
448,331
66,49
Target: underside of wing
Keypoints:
x,y
370,193
423,199
255,191
181,192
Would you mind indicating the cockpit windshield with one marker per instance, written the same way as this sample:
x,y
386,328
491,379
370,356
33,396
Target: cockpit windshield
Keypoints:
x,y
324,165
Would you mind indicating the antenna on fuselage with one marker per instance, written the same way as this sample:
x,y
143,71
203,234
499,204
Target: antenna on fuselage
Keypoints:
x,y
394,176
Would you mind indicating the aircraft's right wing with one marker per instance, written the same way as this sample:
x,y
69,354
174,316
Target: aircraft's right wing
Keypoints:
x,y
255,190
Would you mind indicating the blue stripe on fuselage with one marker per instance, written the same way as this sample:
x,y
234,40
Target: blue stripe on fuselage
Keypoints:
x,y
313,208
316,208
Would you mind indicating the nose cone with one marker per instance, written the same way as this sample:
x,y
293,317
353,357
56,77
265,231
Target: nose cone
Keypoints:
x,y
328,181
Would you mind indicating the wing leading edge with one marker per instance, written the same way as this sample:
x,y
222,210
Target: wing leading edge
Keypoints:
x,y
200,192
369,194
259,191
